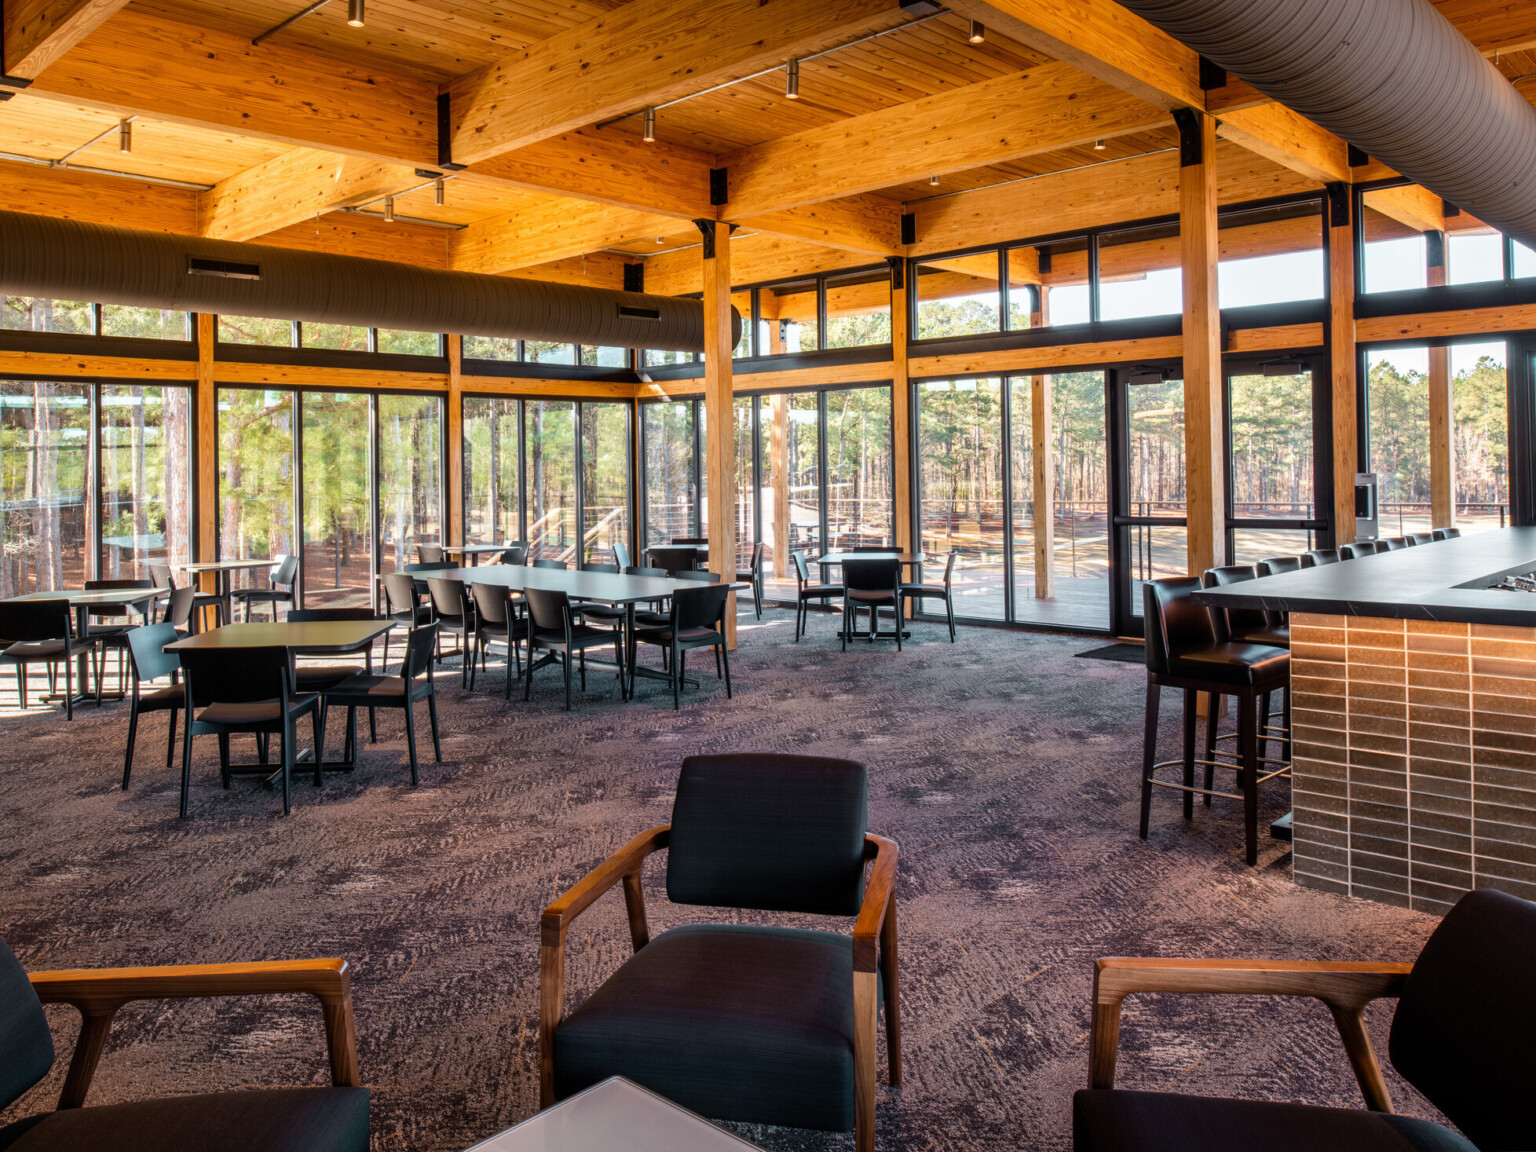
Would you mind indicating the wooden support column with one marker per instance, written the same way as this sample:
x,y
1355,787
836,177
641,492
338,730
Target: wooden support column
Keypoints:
x,y
207,479
719,414
455,425
901,403
778,464
1204,455
1044,493
1342,360
1442,419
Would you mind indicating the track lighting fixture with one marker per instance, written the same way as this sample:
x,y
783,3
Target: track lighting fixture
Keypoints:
x,y
355,13
125,135
389,209
978,32
933,181
792,80
661,239
437,192
649,135
1098,145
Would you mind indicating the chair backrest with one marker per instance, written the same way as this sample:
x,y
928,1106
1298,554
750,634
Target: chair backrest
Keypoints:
x,y
28,621
1463,1027
699,607
235,675
1438,533
516,554
1449,533
147,647
491,605
674,560
690,539
802,569
178,609
1421,538
429,553
871,575
1234,621
1275,565
284,571
949,568
761,830
1356,550
621,555
612,568
400,592
870,548
450,599
419,647
26,1044
1173,621
1396,544
319,615
1319,556
1381,546
160,575
631,570
547,610
560,564
755,565
700,575
430,566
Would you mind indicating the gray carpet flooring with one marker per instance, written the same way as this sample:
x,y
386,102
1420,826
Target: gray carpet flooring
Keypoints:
x,y
1006,769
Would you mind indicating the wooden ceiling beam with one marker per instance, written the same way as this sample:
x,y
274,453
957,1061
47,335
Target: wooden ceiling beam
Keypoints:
x,y
1023,113
346,234
641,53
548,232
1410,205
754,259
294,187
869,225
1276,133
35,33
73,195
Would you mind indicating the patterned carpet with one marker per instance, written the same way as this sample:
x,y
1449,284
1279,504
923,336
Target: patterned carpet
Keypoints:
x,y
1005,768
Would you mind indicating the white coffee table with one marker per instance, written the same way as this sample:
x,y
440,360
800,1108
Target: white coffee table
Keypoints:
x,y
615,1116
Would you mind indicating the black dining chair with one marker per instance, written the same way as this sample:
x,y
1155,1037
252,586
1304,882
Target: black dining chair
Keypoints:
x,y
553,565
871,584
1396,543
402,604
319,677
1460,1035
1278,565
674,560
656,615
454,612
753,1023
279,589
429,553
944,592
514,554
606,615
496,622
753,575
1416,538
178,611
230,690
552,627
699,575
151,662
621,554
413,684
1317,557
113,635
1358,549
807,592
690,539
160,576
43,632
697,621
1446,533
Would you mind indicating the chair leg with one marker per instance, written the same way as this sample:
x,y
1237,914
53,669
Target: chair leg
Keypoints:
x,y
288,738
1212,717
410,735
1189,752
170,740
528,676
224,758
320,736
1247,738
69,690
21,684
133,731
186,766
1149,751
1267,706
565,662
725,658
898,623
437,748
949,610
677,682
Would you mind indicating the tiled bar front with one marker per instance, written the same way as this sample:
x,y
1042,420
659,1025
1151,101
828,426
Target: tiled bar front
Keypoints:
x,y
1414,773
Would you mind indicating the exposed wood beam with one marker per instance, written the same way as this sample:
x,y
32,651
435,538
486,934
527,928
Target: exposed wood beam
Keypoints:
x,y
862,224
75,195
1342,369
644,52
720,449
754,259
1204,455
1276,133
37,32
594,270
1410,205
1044,109
293,187
1492,25
1102,39
347,234
545,232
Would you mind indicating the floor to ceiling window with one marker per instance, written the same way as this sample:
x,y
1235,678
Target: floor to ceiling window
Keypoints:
x,y
605,479
146,507
550,438
671,466
789,486
256,475
338,551
410,478
493,470
1155,473
1272,466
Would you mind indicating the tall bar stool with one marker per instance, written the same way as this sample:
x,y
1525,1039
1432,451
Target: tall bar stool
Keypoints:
x,y
1183,651
1277,565
1319,556
1249,626
1381,546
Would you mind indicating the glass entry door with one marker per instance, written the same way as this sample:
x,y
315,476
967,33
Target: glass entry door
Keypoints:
x,y
1151,533
1274,472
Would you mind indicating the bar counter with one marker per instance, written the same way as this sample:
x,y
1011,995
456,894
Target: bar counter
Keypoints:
x,y
1414,712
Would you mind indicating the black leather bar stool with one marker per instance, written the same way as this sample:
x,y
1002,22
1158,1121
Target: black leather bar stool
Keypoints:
x,y
1184,652
1446,533
1356,550
1276,565
1319,556
1395,543
1249,626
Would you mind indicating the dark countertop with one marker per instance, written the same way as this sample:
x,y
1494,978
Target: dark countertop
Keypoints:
x,y
1422,583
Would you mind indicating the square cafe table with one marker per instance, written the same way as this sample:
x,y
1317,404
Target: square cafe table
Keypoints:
x,y
86,600
472,552
222,570
908,559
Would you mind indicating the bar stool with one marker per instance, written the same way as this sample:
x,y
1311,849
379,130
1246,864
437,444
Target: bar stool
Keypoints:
x,y
1183,651
1319,556
1276,565
1381,546
1249,626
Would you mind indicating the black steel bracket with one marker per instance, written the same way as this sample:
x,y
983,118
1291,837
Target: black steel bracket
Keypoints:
x,y
1338,205
445,136
1191,151
1212,75
719,188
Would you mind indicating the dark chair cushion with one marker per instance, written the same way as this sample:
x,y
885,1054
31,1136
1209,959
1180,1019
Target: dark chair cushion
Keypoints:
x,y
924,590
277,1120
39,649
871,596
1274,635
820,591
1114,1121
684,635
318,677
781,833
742,1023
1231,662
251,712
26,1045
1463,1027
162,699
362,688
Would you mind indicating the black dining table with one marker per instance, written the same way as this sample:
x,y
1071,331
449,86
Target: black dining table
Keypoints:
x,y
85,601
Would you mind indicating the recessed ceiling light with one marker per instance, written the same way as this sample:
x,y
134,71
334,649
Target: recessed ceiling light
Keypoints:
x,y
1098,145
933,181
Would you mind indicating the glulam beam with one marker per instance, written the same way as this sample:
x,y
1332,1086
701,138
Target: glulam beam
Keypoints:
x,y
542,233
1289,139
36,33
1204,443
295,186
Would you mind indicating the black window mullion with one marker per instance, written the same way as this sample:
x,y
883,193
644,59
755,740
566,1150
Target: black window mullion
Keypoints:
x,y
521,408
1093,277
93,479
296,407
821,469
581,484
1005,394
698,468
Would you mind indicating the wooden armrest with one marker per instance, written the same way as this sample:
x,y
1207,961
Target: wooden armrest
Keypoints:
x,y
1346,987
99,992
581,895
879,892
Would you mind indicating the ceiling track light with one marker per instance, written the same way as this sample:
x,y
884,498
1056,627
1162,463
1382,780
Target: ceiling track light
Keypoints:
x,y
933,181
978,32
649,134
125,135
437,192
792,80
389,209
356,16
1098,145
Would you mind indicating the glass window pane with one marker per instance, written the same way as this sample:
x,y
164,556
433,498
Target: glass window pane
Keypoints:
x,y
605,478
29,314
144,323
746,525
1024,292
669,495
44,475
492,476
1524,263
604,357
859,467
410,478
1271,255
960,453
1480,402
337,560
490,348
1156,413
1271,464
1139,273
958,296
410,343
548,352
146,485
859,310
1474,256
256,330
1250,545
658,357
1061,271
1157,551
1398,414
742,302
1394,252
341,337
255,478
789,313
551,447
790,451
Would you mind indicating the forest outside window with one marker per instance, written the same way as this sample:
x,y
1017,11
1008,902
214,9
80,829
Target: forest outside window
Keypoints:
x,y
34,314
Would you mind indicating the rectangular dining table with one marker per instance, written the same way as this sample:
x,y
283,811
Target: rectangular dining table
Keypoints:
x,y
223,571
86,600
472,552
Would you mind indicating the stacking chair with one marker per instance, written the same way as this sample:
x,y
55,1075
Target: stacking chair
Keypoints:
x,y
674,560
653,616
1247,626
1416,538
754,576
1446,533
279,589
42,632
113,636
495,620
454,613
560,565
231,690
319,677
429,553
414,683
698,574
552,626
1277,565
1358,549
690,539
808,592
1319,556
160,576
1185,652
151,661
178,611
697,621
607,615
944,592
516,554
1460,1036
742,1022
402,603
333,1119
872,584
621,554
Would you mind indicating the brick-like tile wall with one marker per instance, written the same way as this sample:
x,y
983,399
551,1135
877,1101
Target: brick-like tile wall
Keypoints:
x,y
1414,774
